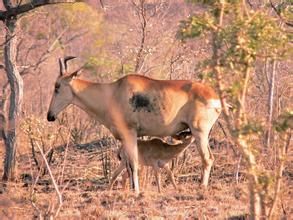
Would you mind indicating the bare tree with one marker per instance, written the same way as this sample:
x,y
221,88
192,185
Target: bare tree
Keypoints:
x,y
9,17
140,9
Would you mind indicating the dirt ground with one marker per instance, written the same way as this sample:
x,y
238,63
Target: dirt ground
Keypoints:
x,y
83,180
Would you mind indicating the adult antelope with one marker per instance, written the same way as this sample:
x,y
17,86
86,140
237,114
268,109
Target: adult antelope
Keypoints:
x,y
135,105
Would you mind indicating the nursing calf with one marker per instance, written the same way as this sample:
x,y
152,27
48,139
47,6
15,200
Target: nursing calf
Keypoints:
x,y
155,153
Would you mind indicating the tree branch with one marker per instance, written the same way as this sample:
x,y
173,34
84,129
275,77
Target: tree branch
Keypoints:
x,y
56,187
279,14
14,11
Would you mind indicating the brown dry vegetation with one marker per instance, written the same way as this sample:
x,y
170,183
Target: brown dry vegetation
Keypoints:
x,y
86,176
108,40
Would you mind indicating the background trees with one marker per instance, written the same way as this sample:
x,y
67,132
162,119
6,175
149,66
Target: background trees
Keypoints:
x,y
9,17
242,48
241,38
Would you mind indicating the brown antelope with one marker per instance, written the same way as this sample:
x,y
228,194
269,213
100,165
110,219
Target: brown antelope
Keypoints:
x,y
136,105
155,153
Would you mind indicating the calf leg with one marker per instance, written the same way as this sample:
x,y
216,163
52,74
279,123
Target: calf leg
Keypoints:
x,y
124,180
142,177
158,179
171,175
116,174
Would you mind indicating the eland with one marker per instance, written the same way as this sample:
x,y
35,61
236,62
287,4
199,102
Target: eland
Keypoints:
x,y
135,106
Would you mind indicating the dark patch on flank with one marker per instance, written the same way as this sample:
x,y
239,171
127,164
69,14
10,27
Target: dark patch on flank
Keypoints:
x,y
186,87
141,102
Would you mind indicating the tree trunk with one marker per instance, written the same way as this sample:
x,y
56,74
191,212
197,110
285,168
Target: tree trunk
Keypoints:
x,y
15,100
9,126
271,102
141,13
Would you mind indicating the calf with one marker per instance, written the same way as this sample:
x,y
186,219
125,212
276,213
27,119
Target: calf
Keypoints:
x,y
155,153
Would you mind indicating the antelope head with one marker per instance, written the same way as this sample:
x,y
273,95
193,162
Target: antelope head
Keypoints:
x,y
63,94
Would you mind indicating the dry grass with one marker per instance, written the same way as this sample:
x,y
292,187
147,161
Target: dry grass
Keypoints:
x,y
85,195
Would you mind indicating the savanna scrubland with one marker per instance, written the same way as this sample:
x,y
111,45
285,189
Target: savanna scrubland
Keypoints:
x,y
164,40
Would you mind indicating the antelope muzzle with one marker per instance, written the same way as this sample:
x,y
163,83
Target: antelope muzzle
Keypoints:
x,y
51,116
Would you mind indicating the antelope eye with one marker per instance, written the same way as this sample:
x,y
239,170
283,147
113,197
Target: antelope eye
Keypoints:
x,y
57,86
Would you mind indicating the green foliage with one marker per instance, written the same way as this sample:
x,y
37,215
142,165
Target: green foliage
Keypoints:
x,y
206,75
41,36
251,127
284,122
80,15
248,128
265,36
92,63
206,2
104,62
265,179
265,184
243,38
213,3
234,88
239,38
127,68
285,9
194,26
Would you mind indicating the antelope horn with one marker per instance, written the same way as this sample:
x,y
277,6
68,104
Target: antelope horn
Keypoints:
x,y
61,65
67,58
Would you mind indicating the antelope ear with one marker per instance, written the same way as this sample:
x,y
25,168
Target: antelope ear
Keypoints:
x,y
63,64
75,74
